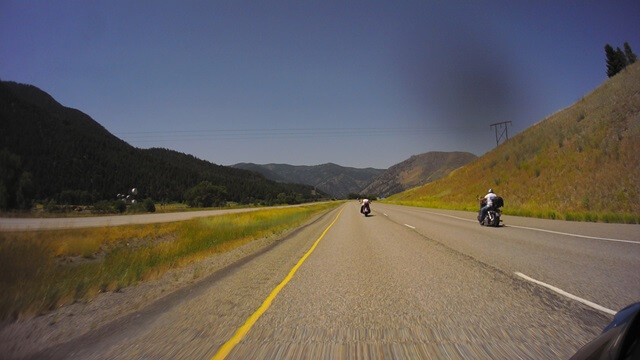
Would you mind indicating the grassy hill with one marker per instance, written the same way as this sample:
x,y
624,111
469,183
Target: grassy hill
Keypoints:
x,y
66,150
581,163
335,180
417,170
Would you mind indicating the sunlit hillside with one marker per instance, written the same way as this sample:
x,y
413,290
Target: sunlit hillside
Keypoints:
x,y
581,163
417,170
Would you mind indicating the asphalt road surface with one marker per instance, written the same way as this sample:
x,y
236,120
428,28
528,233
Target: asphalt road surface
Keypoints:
x,y
404,283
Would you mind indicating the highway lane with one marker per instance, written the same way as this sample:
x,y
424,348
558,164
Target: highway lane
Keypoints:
x,y
373,288
595,268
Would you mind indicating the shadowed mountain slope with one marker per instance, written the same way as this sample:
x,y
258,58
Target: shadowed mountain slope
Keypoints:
x,y
66,150
335,180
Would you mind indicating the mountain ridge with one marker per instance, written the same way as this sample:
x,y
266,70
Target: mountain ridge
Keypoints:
x,y
331,178
65,149
417,170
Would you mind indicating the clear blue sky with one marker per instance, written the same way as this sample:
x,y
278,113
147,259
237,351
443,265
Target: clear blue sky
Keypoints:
x,y
357,83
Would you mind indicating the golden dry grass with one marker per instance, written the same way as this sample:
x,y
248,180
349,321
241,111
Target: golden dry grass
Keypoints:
x,y
42,270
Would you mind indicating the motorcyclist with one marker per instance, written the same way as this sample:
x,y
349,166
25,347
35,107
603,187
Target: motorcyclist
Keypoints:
x,y
365,203
488,200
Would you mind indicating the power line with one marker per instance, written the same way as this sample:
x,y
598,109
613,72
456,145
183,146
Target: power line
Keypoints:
x,y
280,133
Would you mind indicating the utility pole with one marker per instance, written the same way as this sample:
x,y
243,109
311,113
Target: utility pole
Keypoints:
x,y
504,131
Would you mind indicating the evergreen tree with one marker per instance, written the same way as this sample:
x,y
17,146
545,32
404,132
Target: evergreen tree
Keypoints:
x,y
16,185
622,59
612,67
24,195
631,57
616,60
205,194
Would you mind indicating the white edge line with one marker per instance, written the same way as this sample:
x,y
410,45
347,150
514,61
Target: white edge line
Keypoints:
x,y
576,235
409,226
570,296
547,231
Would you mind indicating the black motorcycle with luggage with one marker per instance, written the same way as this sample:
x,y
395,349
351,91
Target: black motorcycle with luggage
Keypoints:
x,y
493,214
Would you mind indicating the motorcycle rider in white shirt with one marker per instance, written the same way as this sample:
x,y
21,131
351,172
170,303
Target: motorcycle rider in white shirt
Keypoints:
x,y
489,204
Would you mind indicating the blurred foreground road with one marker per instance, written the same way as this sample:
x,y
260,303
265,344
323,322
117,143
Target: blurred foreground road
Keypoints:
x,y
405,283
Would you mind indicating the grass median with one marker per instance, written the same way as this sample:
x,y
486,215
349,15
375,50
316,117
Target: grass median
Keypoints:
x,y
42,270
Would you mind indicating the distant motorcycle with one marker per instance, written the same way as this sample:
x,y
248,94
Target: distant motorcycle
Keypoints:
x,y
365,209
494,213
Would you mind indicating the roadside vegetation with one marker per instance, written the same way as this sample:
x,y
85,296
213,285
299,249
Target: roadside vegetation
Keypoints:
x,y
42,270
579,164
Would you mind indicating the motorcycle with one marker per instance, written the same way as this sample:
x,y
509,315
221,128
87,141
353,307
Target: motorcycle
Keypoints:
x,y
493,214
365,209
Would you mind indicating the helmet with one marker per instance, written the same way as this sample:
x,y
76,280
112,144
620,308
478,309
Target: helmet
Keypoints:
x,y
491,191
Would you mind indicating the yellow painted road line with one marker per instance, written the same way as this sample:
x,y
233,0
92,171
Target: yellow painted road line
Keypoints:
x,y
244,329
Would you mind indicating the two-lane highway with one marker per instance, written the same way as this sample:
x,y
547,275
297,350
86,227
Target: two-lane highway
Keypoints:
x,y
404,283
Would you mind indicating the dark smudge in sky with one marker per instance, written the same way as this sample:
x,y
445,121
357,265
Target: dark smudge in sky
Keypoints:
x,y
469,82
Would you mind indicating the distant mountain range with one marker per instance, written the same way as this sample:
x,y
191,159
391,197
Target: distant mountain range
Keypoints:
x,y
336,180
63,149
340,181
417,170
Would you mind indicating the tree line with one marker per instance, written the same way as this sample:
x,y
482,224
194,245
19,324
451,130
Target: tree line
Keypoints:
x,y
618,59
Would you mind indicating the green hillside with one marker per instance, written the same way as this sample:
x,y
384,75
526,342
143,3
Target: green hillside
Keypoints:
x,y
65,150
581,163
